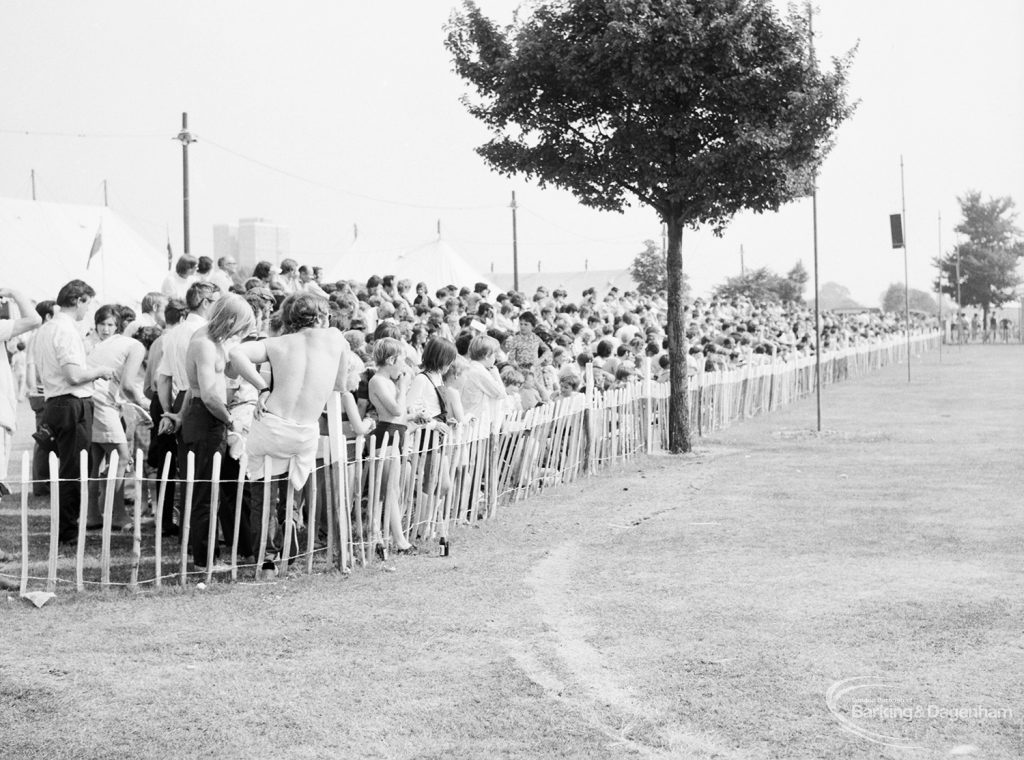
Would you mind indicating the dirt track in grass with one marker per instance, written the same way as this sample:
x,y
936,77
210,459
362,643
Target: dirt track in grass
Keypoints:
x,y
698,607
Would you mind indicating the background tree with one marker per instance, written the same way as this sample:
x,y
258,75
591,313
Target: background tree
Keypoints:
x,y
698,109
765,285
792,288
649,270
756,284
892,300
836,296
988,257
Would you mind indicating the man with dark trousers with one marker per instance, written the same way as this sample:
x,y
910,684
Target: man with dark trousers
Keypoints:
x,y
67,393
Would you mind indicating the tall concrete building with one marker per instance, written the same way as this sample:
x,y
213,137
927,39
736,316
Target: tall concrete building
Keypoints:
x,y
225,241
253,240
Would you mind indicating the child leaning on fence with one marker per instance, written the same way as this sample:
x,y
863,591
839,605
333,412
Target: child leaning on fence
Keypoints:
x,y
388,392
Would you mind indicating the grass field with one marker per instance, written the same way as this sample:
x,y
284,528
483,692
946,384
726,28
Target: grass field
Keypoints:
x,y
707,606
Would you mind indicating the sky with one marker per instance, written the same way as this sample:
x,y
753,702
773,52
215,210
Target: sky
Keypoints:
x,y
332,116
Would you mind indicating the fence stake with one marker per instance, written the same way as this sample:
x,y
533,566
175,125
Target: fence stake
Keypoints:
x,y
264,517
358,497
25,486
186,516
211,530
311,521
133,582
83,517
51,572
289,514
158,548
108,517
239,494
329,503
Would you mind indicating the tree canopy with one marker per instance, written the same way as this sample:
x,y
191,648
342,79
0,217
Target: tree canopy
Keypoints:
x,y
765,285
988,258
697,109
893,299
649,270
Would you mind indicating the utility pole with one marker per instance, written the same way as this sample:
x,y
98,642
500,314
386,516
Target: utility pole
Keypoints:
x,y
185,138
33,176
104,193
906,270
515,245
814,218
743,268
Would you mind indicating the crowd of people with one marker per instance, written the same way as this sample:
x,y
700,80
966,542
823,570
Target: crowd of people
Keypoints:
x,y
216,362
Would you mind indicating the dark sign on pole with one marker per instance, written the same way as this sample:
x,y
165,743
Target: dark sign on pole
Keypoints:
x,y
896,228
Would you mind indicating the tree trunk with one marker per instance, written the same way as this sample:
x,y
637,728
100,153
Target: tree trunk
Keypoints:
x,y
678,405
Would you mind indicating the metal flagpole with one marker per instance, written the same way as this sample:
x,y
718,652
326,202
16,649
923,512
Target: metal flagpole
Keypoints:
x,y
515,245
814,215
942,327
906,270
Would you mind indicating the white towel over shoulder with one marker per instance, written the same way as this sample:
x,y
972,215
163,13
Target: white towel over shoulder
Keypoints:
x,y
290,446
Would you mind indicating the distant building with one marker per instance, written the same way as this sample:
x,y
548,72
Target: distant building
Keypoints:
x,y
251,241
225,241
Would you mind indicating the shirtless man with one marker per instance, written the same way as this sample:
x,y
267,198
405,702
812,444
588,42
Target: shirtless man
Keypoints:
x,y
205,421
308,362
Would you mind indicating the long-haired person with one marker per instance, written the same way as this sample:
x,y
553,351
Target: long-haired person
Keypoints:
x,y
205,420
123,356
308,362
433,400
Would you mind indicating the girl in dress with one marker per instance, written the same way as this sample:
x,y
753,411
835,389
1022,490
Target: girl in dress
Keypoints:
x,y
122,355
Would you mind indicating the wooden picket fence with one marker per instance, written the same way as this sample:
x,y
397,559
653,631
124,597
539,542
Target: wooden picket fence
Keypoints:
x,y
432,483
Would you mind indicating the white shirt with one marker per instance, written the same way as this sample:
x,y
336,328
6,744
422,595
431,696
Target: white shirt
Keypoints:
x,y
423,397
176,287
175,345
481,387
221,279
57,343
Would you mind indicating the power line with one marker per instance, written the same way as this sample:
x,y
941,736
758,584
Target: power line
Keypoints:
x,y
79,135
573,232
343,191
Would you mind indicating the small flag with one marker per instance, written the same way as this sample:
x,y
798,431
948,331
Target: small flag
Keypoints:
x,y
170,254
97,243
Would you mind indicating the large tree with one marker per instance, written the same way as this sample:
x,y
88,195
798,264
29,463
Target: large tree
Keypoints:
x,y
697,109
649,270
763,284
988,258
895,298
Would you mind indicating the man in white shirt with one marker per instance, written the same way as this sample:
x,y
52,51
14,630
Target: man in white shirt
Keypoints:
x,y
224,276
153,304
67,390
176,283
171,378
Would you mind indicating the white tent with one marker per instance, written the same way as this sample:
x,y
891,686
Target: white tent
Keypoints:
x,y
44,245
434,262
